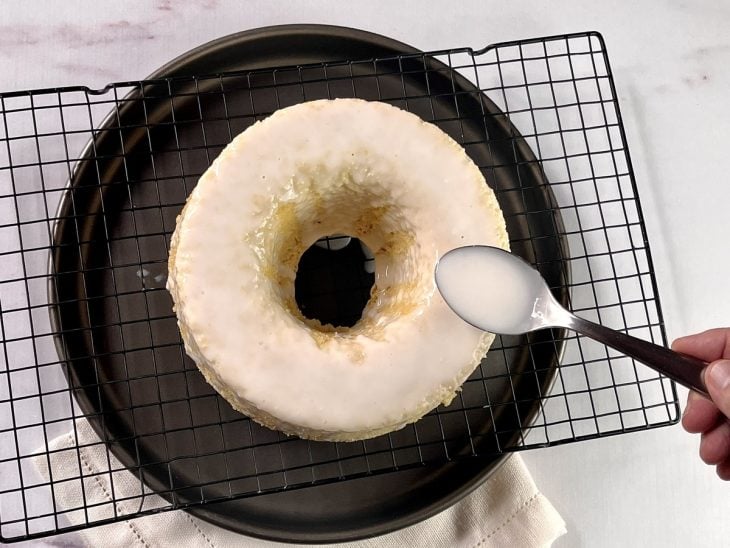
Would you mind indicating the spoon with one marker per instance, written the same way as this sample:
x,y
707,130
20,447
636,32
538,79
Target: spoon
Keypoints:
x,y
497,291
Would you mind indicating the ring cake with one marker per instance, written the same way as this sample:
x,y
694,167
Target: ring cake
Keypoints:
x,y
345,166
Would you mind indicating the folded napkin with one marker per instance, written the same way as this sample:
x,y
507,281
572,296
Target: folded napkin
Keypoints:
x,y
507,510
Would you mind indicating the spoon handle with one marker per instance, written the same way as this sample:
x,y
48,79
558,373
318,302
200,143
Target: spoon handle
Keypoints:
x,y
681,368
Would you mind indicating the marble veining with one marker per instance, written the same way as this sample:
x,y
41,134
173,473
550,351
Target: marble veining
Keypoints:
x,y
74,36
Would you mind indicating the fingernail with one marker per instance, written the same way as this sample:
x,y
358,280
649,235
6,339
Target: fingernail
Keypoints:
x,y
719,375
690,400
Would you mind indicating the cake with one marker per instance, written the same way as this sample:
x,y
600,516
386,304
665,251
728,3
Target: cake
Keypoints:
x,y
346,166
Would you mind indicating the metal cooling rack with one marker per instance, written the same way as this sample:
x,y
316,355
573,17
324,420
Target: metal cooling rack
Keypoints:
x,y
559,94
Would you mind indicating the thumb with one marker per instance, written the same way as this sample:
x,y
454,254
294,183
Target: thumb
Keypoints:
x,y
717,378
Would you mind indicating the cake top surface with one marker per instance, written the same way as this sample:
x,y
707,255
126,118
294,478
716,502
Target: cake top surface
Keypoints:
x,y
348,166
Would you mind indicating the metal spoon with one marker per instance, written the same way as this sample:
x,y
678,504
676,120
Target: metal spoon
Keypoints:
x,y
499,292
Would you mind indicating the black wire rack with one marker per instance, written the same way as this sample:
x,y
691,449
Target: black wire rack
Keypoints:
x,y
91,182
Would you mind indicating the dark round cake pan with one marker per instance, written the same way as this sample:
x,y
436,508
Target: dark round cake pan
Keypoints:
x,y
150,152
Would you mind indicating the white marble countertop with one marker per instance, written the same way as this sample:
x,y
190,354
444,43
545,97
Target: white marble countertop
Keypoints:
x,y
670,62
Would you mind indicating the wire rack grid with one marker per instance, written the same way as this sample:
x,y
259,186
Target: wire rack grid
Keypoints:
x,y
91,335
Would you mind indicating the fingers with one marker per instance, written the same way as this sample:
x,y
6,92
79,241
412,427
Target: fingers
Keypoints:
x,y
717,379
708,345
715,444
715,449
711,418
723,470
700,415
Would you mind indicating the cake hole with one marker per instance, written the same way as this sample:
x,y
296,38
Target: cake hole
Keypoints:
x,y
334,279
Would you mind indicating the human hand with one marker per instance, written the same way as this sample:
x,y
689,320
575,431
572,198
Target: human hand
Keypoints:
x,y
711,418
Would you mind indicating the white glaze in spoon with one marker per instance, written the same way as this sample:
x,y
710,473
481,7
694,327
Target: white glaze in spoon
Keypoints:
x,y
499,292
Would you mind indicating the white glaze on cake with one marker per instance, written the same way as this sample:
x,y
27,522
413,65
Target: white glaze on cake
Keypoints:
x,y
365,169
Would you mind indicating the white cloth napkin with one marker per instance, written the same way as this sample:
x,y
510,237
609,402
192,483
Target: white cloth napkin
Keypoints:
x,y
508,510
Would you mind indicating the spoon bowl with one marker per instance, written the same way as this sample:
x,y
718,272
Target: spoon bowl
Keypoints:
x,y
496,291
